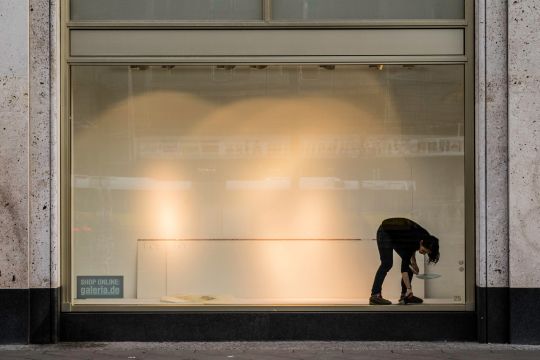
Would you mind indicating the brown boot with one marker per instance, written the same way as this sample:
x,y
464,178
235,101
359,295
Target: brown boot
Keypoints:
x,y
411,299
378,300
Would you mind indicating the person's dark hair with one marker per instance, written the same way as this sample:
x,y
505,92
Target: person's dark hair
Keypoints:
x,y
432,243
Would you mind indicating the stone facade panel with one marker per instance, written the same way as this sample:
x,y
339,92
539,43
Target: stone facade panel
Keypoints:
x,y
524,142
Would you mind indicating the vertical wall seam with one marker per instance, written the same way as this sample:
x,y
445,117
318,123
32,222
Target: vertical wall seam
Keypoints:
x,y
507,145
486,172
50,137
29,172
28,145
485,169
507,158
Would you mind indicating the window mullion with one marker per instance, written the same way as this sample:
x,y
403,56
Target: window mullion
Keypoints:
x,y
267,10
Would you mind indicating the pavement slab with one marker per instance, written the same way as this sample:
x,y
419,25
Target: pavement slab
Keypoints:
x,y
271,351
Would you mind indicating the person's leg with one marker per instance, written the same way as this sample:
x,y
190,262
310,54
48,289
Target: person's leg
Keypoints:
x,y
386,256
411,299
403,287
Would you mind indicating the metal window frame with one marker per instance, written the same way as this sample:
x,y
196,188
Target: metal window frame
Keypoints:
x,y
467,61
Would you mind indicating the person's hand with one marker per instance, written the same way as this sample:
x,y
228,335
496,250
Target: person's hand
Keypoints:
x,y
415,269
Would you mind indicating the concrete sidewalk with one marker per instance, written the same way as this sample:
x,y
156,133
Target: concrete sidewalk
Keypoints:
x,y
270,351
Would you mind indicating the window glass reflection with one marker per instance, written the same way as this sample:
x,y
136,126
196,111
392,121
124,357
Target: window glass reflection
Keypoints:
x,y
367,9
166,9
263,184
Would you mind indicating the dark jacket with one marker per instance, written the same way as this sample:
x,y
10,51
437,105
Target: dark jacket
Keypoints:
x,y
404,236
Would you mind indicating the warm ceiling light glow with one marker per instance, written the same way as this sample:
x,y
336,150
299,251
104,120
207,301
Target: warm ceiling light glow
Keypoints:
x,y
166,214
267,200
312,216
166,208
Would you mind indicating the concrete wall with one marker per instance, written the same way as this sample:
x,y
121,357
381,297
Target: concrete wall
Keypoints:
x,y
524,144
26,264
508,168
524,167
491,170
14,107
28,117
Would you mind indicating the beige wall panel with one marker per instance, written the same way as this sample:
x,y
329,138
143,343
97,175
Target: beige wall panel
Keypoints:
x,y
266,42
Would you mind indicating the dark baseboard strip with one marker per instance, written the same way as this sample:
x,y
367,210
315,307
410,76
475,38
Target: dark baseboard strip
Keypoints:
x,y
498,305
14,316
493,311
44,315
29,316
508,315
503,315
262,326
524,316
481,314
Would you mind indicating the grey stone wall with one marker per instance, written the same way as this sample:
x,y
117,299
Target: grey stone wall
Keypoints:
x,y
524,142
39,147
491,143
26,116
14,110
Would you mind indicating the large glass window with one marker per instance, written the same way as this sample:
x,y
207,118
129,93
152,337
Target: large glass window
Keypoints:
x,y
262,185
253,9
166,9
367,9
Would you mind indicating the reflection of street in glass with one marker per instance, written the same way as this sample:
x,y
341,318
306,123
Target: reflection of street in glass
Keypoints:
x,y
323,146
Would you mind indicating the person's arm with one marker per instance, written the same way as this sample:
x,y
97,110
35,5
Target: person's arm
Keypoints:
x,y
405,262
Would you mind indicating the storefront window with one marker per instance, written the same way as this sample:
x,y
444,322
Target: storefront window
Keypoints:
x,y
367,9
253,9
166,9
262,185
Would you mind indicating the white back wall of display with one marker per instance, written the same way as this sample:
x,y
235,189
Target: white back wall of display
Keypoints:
x,y
260,271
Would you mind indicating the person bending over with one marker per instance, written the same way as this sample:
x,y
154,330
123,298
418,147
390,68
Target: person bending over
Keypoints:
x,y
405,237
